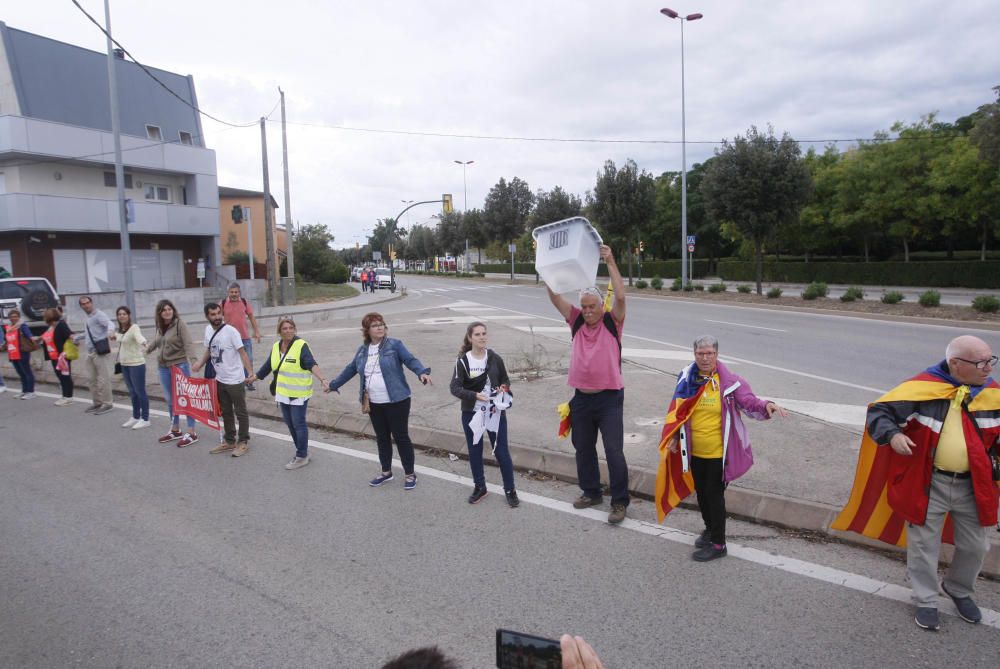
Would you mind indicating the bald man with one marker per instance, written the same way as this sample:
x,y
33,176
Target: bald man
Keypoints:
x,y
941,464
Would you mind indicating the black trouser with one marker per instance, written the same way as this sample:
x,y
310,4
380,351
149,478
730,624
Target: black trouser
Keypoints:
x,y
707,474
233,402
590,413
65,380
391,421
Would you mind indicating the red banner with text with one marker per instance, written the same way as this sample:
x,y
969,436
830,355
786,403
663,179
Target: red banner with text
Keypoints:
x,y
197,398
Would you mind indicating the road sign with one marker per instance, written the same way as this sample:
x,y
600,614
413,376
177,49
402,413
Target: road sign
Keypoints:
x,y
512,248
691,240
376,255
690,248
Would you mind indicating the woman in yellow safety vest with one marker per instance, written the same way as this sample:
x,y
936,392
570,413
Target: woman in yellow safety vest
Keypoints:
x,y
293,366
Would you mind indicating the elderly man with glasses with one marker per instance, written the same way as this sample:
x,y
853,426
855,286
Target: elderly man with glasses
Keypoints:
x,y
927,455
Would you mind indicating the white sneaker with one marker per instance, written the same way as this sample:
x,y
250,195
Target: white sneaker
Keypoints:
x,y
3,389
27,396
63,401
130,422
139,424
297,462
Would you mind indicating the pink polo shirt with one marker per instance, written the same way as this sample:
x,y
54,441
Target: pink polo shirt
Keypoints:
x,y
595,363
236,314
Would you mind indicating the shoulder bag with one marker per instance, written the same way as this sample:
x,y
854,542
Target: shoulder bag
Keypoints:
x,y
101,346
209,367
273,387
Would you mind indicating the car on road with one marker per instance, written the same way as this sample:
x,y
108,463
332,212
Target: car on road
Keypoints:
x,y
32,295
384,279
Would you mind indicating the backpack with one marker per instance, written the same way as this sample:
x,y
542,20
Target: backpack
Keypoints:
x,y
609,323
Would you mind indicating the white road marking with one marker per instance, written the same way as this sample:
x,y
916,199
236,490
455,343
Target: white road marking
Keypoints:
x,y
744,325
661,354
543,328
842,414
790,565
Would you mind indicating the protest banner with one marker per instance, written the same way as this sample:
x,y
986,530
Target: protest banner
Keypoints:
x,y
197,398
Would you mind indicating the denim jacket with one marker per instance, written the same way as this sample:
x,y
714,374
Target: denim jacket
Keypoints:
x,y
391,360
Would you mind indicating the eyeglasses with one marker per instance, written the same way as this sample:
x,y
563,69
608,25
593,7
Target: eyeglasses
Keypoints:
x,y
981,364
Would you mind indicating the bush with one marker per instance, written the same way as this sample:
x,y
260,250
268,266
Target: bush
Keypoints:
x,y
699,286
930,298
744,288
814,290
717,288
852,293
641,283
688,288
892,297
774,292
929,273
657,283
986,304
676,285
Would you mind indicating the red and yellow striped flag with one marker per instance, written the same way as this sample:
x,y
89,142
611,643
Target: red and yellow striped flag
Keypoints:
x,y
673,484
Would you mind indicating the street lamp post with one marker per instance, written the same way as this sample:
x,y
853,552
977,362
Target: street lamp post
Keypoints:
x,y
465,205
685,279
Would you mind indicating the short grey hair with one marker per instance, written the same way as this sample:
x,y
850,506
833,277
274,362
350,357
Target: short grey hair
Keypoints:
x,y
706,340
592,290
236,286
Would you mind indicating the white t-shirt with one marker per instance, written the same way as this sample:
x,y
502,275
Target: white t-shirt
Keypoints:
x,y
477,367
225,354
374,383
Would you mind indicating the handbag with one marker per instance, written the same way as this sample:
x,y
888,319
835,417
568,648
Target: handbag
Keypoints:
x,y
101,346
28,344
366,406
273,387
71,351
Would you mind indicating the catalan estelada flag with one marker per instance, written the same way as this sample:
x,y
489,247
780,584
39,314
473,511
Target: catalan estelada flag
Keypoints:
x,y
868,511
673,483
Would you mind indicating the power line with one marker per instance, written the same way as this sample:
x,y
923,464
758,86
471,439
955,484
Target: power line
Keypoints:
x,y
153,76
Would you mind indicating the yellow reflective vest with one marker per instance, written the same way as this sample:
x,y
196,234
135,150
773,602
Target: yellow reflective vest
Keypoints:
x,y
293,381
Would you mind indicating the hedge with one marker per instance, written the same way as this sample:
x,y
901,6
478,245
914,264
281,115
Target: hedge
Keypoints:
x,y
662,268
938,274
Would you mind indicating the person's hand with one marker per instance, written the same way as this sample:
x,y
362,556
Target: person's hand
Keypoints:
x,y
902,444
196,367
426,380
482,397
256,336
673,444
251,378
607,255
577,653
112,336
772,407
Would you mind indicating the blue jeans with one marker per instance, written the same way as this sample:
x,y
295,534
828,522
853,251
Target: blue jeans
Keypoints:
x,y
135,381
604,412
168,393
295,419
23,369
500,452
248,347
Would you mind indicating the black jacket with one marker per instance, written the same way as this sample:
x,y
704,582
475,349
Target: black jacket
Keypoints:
x,y
466,389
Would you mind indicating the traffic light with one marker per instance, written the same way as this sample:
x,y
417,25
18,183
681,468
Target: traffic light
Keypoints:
x,y
642,246
392,254
237,214
534,244
447,204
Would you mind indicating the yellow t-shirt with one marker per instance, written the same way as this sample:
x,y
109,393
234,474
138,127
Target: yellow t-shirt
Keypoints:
x,y
951,454
706,422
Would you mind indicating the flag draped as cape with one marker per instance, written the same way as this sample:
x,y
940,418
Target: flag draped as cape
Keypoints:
x,y
673,484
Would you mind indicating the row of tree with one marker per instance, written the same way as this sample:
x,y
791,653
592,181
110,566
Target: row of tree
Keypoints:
x,y
926,185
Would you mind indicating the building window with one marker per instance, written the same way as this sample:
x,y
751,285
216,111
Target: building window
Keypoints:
x,y
153,133
157,193
186,138
109,180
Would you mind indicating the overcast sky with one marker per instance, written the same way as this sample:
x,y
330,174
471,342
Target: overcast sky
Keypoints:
x,y
581,69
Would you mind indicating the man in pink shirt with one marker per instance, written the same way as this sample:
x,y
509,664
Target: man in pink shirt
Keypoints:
x,y
236,311
597,405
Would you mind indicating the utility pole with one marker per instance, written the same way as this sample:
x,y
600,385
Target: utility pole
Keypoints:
x,y
272,271
119,168
288,199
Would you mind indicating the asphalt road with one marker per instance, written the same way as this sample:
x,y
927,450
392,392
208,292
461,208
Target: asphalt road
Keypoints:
x,y
119,552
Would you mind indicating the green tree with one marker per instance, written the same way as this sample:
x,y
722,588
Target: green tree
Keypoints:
x,y
449,233
314,259
756,182
968,192
474,230
814,228
985,134
506,209
622,203
554,205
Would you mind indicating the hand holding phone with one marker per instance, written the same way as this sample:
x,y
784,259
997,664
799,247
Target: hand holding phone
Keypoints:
x,y
516,649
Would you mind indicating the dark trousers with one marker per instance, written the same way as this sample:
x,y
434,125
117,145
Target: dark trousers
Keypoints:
x,y
391,421
295,419
707,475
65,381
24,371
135,380
500,451
233,402
602,412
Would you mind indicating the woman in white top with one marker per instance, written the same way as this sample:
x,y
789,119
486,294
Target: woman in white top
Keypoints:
x,y
132,358
480,380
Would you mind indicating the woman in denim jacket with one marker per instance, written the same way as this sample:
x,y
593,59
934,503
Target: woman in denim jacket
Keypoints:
x,y
379,362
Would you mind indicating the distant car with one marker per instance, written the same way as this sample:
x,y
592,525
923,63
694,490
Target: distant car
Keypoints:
x,y
383,279
32,295
356,274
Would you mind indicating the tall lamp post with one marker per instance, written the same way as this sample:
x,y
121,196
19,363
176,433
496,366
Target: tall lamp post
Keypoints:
x,y
666,11
465,205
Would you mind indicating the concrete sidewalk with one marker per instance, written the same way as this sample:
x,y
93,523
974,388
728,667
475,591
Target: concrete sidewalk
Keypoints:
x,y
803,468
